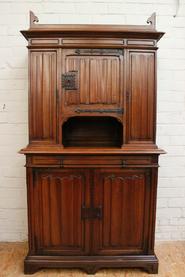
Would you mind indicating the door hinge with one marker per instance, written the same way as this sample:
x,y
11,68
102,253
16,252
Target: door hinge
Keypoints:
x,y
127,96
99,51
123,163
118,110
57,95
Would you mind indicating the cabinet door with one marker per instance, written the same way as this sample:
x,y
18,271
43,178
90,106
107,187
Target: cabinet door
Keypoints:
x,y
124,198
96,77
57,200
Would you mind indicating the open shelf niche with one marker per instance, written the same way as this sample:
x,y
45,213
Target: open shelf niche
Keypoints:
x,y
92,131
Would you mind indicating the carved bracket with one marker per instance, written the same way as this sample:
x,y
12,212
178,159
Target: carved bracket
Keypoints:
x,y
33,19
152,20
177,7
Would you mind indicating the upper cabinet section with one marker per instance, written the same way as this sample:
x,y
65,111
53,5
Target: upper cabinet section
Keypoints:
x,y
92,85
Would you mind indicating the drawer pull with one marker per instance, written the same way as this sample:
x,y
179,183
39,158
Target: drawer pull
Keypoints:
x,y
61,163
123,163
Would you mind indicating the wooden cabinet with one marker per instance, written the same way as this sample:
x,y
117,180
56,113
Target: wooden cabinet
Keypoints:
x,y
91,161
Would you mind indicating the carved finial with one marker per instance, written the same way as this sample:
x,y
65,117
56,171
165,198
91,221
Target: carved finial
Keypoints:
x,y
152,20
33,19
177,7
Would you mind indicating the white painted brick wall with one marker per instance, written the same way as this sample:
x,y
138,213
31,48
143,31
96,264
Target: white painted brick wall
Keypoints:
x,y
171,100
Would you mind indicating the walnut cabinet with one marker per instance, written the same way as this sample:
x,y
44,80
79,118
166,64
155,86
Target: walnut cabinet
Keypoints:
x,y
92,160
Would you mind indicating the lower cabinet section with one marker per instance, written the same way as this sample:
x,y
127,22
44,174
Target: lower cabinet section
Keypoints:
x,y
91,214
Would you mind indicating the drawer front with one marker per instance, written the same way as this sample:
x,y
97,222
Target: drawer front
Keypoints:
x,y
107,160
53,161
60,161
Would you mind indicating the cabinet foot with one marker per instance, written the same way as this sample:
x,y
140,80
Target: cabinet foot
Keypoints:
x,y
90,269
30,268
152,268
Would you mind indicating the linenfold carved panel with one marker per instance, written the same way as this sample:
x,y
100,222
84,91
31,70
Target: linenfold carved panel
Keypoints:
x,y
42,95
58,200
102,78
123,195
141,105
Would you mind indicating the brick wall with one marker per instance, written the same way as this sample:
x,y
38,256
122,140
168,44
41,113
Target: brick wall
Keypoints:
x,y
171,101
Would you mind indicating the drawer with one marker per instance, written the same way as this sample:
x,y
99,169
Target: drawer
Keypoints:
x,y
107,160
90,161
135,160
45,161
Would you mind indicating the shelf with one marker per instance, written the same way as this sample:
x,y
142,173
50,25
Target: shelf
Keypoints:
x,y
59,150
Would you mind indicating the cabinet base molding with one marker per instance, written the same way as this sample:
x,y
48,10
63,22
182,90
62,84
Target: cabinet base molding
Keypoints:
x,y
91,264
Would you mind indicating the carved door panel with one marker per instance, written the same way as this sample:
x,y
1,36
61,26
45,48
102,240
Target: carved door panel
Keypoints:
x,y
57,199
92,77
42,96
124,198
141,107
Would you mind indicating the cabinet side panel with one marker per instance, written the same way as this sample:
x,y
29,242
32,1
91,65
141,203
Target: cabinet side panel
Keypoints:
x,y
142,97
42,107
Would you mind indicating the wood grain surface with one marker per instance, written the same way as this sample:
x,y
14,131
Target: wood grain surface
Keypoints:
x,y
171,257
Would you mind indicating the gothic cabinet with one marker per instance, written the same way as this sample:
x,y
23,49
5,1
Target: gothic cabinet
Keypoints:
x,y
91,160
